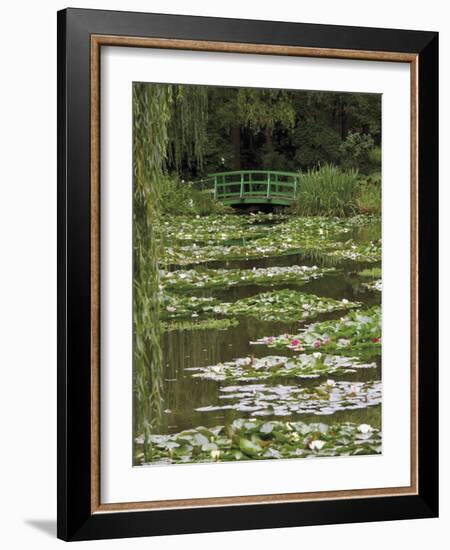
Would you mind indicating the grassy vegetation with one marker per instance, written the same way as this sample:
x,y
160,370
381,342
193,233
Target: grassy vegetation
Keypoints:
x,y
327,191
332,191
369,198
181,198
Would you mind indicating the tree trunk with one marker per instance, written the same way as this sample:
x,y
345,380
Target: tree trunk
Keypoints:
x,y
269,142
343,116
236,140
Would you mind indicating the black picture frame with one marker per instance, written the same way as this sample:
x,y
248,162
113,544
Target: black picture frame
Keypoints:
x,y
75,518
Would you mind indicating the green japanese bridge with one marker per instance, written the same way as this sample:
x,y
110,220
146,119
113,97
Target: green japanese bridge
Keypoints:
x,y
255,187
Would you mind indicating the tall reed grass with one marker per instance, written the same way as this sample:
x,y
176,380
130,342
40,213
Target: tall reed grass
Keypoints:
x,y
369,199
327,191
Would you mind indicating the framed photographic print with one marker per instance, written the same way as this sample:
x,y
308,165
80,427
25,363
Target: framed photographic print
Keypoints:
x,y
247,249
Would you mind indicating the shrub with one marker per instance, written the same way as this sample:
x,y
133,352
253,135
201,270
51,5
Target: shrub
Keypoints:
x,y
357,151
374,178
375,157
327,191
181,198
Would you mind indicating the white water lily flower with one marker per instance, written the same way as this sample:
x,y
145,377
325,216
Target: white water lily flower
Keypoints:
x,y
344,301
317,355
316,444
365,428
331,383
215,454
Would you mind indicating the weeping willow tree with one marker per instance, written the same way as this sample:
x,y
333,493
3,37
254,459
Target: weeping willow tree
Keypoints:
x,y
165,117
187,126
263,110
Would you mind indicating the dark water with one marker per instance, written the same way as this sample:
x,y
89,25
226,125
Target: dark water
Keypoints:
x,y
185,349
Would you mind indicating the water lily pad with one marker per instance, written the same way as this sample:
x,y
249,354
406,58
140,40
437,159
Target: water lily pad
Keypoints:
x,y
199,240
198,324
284,305
193,279
349,250
359,330
324,399
252,440
272,367
179,306
374,285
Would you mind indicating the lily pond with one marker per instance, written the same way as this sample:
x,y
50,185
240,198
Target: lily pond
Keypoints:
x,y
271,338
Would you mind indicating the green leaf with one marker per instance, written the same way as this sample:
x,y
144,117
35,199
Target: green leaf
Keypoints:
x,y
266,428
200,439
248,447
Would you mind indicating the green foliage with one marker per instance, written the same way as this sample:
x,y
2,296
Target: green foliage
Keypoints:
x,y
327,191
375,157
273,129
187,126
151,114
261,109
258,439
356,150
284,305
180,306
181,198
374,272
316,144
369,199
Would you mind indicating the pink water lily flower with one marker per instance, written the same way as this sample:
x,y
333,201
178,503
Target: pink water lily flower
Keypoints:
x,y
269,339
295,342
317,344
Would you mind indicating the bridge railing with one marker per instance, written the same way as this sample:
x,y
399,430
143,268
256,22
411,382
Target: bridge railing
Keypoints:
x,y
260,184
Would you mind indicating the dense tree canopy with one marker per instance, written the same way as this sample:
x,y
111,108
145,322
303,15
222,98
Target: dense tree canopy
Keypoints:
x,y
250,128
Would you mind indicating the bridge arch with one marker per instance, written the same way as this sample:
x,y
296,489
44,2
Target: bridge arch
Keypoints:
x,y
255,187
